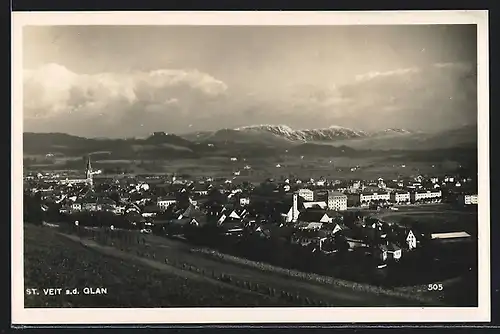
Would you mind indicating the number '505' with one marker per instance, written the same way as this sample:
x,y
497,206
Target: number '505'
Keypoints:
x,y
435,287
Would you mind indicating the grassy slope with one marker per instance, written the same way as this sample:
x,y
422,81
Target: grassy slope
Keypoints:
x,y
52,261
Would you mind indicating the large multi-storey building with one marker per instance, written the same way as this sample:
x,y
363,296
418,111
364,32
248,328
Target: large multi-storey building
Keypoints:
x,y
306,194
164,202
400,197
367,198
429,195
337,201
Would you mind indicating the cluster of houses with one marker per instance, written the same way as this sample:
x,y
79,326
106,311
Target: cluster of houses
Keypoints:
x,y
303,213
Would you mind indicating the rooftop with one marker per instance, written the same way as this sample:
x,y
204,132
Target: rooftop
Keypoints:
x,y
335,193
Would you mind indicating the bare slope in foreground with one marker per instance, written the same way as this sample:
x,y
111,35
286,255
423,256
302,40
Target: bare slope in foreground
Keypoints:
x,y
51,260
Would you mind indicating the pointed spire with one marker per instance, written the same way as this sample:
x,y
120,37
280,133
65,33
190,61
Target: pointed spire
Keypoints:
x,y
88,173
89,166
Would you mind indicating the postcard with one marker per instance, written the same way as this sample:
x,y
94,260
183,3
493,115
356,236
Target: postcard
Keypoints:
x,y
250,167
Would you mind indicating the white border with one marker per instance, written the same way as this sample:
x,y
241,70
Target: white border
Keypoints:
x,y
250,315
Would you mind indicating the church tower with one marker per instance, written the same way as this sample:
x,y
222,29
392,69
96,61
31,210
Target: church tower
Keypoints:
x,y
88,174
295,207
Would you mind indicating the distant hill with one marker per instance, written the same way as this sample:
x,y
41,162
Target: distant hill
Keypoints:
x,y
387,139
253,142
68,145
461,137
238,136
284,132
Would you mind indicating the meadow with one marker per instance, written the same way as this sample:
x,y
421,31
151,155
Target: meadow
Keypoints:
x,y
51,260
434,218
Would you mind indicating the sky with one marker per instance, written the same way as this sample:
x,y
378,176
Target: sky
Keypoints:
x,y
126,81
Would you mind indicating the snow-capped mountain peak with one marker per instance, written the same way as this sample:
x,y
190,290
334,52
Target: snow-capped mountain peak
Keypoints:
x,y
392,131
333,132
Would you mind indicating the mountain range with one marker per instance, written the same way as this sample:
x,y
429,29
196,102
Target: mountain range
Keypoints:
x,y
387,139
261,140
331,133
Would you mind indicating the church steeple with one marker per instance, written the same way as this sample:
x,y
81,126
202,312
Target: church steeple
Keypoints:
x,y
88,173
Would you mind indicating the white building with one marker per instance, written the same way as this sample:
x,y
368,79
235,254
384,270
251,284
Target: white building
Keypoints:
x,y
306,194
244,201
469,199
355,186
337,201
293,213
429,195
164,202
411,240
321,182
366,198
311,205
400,197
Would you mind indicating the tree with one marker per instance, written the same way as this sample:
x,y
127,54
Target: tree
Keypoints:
x,y
341,243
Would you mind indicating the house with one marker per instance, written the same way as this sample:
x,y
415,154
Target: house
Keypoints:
x,y
234,228
164,202
132,207
334,228
309,225
394,252
315,205
321,182
191,212
198,221
201,189
106,204
76,205
337,201
411,240
312,216
354,240
451,236
151,210
309,237
268,231
230,213
467,199
244,201
400,197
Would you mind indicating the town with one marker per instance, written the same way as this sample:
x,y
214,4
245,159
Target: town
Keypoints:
x,y
321,216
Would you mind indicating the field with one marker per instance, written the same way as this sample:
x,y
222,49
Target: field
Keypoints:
x,y
52,260
262,168
164,272
434,218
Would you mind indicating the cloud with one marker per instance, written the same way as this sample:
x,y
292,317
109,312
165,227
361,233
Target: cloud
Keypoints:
x,y
428,97
135,103
53,90
396,72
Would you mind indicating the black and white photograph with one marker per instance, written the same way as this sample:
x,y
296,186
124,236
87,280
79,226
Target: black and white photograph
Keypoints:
x,y
194,167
